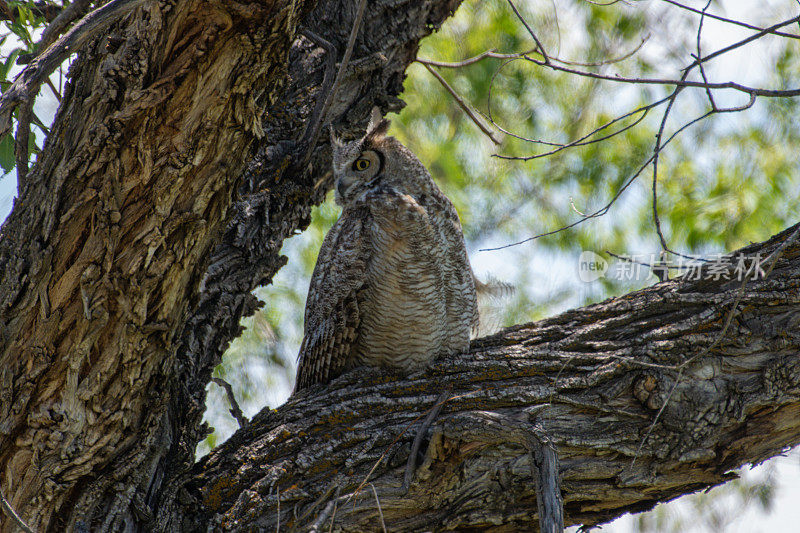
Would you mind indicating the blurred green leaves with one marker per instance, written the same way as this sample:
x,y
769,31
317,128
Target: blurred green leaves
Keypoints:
x,y
722,183
22,24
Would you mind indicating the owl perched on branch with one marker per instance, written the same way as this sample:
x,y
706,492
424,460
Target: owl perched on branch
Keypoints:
x,y
392,286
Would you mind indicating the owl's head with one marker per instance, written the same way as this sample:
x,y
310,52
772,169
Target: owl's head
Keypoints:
x,y
374,159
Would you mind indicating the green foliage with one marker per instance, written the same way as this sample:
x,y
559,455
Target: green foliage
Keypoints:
x,y
19,38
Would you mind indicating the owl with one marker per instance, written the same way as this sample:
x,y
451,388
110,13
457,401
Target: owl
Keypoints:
x,y
392,286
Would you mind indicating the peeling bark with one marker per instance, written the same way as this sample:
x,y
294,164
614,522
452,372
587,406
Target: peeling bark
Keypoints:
x,y
101,258
593,381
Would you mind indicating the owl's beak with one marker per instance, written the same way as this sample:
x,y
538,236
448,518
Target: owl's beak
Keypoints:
x,y
341,187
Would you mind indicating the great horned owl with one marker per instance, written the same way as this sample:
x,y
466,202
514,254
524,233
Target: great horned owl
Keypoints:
x,y
392,285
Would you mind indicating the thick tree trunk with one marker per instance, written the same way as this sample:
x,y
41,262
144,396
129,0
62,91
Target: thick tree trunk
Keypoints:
x,y
642,396
160,201
103,253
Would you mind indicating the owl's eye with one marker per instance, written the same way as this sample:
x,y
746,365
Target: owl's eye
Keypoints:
x,y
361,164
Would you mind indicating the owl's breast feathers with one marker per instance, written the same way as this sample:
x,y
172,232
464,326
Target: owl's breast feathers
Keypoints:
x,y
392,287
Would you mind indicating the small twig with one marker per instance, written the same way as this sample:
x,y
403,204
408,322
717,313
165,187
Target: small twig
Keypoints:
x,y
582,141
56,93
732,21
423,429
472,60
530,31
278,495
656,151
605,62
603,210
13,514
315,122
322,516
463,105
326,512
572,205
772,93
774,256
700,54
380,511
235,411
493,54
645,263
348,52
333,516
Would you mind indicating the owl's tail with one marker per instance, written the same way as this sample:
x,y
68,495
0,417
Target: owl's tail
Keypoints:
x,y
493,295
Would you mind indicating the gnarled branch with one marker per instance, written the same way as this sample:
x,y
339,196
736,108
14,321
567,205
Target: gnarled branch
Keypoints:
x,y
602,383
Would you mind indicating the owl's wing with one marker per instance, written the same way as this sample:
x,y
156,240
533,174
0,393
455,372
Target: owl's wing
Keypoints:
x,y
332,315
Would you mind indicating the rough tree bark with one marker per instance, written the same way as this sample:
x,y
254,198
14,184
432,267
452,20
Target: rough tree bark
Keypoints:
x,y
161,200
593,381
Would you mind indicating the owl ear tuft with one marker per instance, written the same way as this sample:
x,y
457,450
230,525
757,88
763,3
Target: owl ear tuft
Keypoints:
x,y
378,126
335,141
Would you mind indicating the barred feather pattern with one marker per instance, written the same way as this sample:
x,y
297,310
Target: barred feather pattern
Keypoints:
x,y
392,286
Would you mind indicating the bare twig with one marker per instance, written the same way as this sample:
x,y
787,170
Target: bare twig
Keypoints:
x,y
750,39
56,92
611,61
645,263
333,516
493,54
603,210
700,54
773,93
464,106
582,141
235,411
348,52
378,503
530,31
323,516
411,464
731,21
656,152
11,513
545,62
472,60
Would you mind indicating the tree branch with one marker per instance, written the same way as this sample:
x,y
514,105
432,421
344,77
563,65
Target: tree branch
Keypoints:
x,y
591,380
27,84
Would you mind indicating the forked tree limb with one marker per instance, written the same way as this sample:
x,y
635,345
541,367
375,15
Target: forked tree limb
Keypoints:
x,y
590,380
26,86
